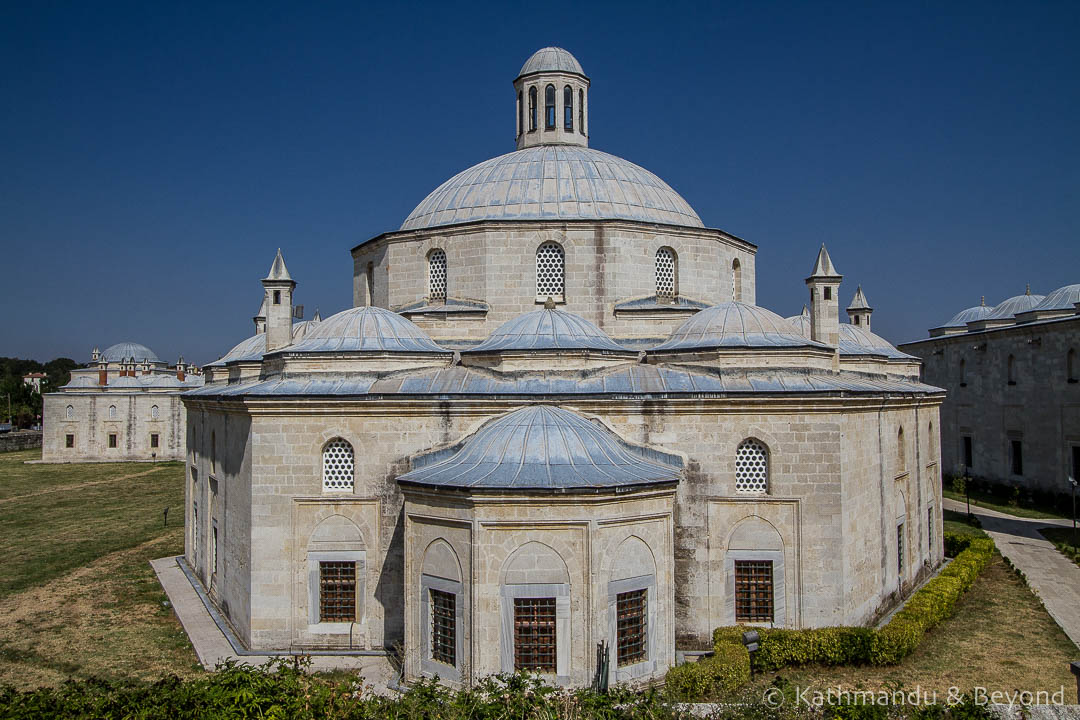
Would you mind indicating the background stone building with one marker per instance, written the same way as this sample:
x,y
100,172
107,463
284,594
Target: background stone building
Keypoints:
x,y
1012,372
577,429
124,406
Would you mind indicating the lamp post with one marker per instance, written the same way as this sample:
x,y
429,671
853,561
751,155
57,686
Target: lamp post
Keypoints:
x,y
967,494
1072,482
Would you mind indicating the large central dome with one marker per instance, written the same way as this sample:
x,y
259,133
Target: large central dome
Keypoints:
x,y
553,182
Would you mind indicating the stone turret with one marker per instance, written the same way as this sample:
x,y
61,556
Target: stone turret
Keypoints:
x,y
824,284
552,100
278,286
859,310
260,318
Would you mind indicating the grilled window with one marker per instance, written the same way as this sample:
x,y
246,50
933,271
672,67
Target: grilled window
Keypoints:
x,y
549,271
568,108
154,412
534,634
631,632
1016,456
665,272
930,531
153,440
112,440
437,275
112,412
337,591
70,413
753,591
69,441
549,107
900,548
532,108
443,627
751,467
338,466
581,111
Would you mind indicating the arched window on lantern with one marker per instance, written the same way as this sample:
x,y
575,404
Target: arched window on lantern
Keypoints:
x,y
549,107
520,114
338,466
568,109
581,111
437,275
752,467
532,108
550,264
736,280
667,279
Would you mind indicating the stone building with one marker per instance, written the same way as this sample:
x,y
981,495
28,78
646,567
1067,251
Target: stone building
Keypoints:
x,y
1012,373
124,406
555,418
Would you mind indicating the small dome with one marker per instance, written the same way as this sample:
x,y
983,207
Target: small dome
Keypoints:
x,y
972,314
1064,298
548,330
125,350
366,329
253,348
562,182
1012,307
544,448
735,325
860,341
551,59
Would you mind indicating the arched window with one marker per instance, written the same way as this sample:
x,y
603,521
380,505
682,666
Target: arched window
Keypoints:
x,y
532,108
521,115
549,271
736,281
1012,370
549,107
581,111
666,278
70,413
112,412
437,275
337,466
752,467
213,452
932,442
568,108
1070,366
154,412
901,452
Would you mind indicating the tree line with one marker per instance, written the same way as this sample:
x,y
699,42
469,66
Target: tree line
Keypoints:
x,y
20,404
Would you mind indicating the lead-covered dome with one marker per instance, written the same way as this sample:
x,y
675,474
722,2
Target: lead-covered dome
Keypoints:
x,y
1007,309
126,350
366,329
971,314
1064,298
551,59
553,182
544,448
735,325
548,330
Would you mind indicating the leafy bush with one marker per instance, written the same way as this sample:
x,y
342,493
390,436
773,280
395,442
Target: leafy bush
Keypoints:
x,y
719,675
779,648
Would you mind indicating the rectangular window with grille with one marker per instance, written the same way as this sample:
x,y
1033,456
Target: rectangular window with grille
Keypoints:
x,y
534,634
443,627
1016,448
930,530
968,454
753,591
69,441
631,610
153,440
112,440
900,548
337,591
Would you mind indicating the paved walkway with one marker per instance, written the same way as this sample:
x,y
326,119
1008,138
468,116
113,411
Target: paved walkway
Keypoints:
x,y
1053,577
213,647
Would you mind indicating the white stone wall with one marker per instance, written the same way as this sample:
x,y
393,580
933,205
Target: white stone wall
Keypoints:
x,y
133,426
606,263
1042,410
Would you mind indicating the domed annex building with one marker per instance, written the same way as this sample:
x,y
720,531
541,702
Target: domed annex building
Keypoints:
x,y
553,419
125,405
1012,372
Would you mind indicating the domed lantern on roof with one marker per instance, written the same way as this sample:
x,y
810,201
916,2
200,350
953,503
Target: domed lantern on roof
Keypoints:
x,y
552,100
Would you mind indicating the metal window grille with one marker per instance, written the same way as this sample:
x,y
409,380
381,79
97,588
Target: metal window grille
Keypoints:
x,y
751,467
112,440
549,271
153,440
534,634
338,466
631,610
665,272
112,412
443,627
930,531
900,548
753,591
437,275
337,591
70,413
154,412
69,441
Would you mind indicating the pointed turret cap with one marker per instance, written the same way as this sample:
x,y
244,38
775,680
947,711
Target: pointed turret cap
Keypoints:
x,y
824,267
278,271
262,309
314,318
859,301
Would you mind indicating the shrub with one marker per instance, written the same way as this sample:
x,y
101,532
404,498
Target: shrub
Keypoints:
x,y
719,675
827,646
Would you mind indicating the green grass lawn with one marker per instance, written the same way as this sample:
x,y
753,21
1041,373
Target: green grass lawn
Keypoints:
x,y
957,523
77,595
992,503
1062,537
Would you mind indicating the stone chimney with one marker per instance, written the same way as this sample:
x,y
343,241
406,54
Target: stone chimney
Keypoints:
x,y
180,368
102,373
278,286
859,310
824,282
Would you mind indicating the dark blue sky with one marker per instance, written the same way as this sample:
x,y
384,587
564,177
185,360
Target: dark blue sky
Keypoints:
x,y
155,155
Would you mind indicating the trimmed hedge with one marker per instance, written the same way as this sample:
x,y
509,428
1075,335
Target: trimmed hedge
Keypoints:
x,y
718,675
932,603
